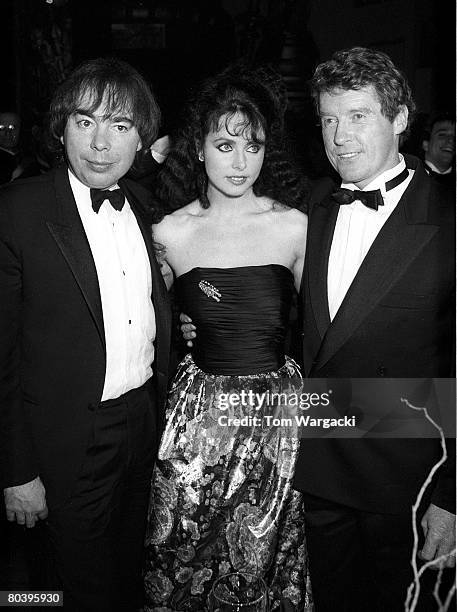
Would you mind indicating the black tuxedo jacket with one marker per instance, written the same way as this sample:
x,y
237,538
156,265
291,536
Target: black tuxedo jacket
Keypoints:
x,y
448,180
52,349
397,321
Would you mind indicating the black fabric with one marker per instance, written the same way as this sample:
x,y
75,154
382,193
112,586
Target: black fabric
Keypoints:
x,y
96,536
51,325
115,197
52,365
366,565
447,180
8,162
371,199
397,320
245,343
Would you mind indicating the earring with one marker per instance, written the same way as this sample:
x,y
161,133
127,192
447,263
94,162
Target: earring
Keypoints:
x,y
201,157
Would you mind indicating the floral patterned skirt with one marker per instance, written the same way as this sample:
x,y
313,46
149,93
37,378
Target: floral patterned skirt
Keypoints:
x,y
221,496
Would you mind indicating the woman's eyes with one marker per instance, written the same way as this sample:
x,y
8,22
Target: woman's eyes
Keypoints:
x,y
225,147
252,148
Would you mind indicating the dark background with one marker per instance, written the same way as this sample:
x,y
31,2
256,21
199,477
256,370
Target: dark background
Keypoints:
x,y
175,43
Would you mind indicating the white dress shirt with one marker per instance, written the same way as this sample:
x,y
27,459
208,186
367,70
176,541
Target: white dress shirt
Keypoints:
x,y
355,231
124,278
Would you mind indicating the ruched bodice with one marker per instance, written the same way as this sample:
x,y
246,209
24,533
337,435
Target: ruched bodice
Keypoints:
x,y
241,315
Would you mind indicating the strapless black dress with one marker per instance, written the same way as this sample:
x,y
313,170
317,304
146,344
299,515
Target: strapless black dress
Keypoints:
x,y
221,497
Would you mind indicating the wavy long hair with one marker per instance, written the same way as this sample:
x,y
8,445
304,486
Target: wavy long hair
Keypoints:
x,y
259,97
361,67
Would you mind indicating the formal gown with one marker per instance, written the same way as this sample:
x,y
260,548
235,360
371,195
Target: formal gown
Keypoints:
x,y
221,496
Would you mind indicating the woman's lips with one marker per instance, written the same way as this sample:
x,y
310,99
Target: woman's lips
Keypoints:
x,y
237,180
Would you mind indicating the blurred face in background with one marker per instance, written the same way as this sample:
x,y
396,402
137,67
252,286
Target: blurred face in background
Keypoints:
x,y
440,147
10,127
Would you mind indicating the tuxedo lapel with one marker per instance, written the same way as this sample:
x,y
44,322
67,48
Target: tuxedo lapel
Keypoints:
x,y
322,226
68,232
401,239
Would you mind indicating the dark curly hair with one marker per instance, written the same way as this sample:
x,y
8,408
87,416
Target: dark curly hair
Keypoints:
x,y
111,80
257,95
360,67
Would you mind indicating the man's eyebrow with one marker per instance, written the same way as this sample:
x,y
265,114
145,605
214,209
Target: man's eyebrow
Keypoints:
x,y
121,119
359,109
362,109
83,111
113,118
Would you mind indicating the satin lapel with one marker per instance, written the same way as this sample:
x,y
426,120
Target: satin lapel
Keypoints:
x,y
160,296
321,228
72,241
399,242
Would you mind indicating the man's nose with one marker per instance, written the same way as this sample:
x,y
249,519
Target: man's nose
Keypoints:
x,y
342,133
100,139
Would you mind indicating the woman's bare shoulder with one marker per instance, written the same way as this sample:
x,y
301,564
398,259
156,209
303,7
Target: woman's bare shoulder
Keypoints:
x,y
176,222
193,209
290,216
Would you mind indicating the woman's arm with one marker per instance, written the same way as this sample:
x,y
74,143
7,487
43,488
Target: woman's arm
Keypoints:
x,y
159,236
301,228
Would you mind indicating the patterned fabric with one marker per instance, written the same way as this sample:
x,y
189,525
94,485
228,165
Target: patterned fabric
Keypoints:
x,y
221,498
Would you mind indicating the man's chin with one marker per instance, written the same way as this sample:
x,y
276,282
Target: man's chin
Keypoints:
x,y
96,180
347,177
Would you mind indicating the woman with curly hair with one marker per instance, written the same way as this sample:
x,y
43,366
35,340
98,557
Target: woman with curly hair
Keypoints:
x,y
221,497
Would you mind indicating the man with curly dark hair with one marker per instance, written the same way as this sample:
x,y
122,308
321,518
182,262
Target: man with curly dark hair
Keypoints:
x,y
438,145
85,328
378,295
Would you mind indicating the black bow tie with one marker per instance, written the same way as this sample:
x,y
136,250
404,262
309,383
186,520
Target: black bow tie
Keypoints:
x,y
98,196
371,199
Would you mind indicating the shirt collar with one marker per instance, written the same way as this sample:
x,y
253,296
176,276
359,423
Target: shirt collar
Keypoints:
x,y
380,181
81,191
432,166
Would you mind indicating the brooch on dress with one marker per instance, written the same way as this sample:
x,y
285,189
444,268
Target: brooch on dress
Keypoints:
x,y
210,290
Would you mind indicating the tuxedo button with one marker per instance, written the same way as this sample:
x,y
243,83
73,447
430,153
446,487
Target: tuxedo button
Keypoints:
x,y
381,371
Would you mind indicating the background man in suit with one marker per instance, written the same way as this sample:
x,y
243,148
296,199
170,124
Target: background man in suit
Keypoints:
x,y
378,299
10,127
439,148
85,325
